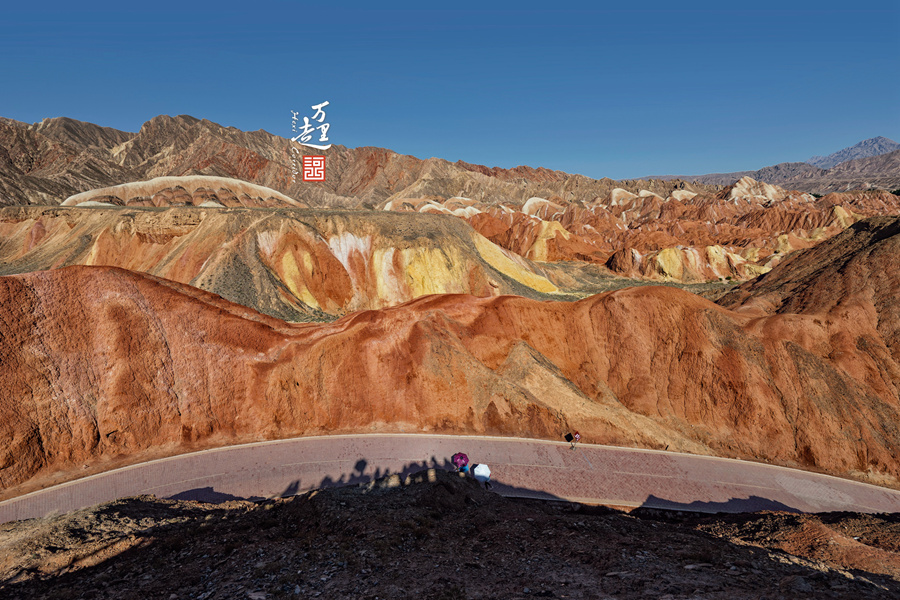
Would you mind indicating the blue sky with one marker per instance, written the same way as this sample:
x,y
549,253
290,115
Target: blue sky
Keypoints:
x,y
657,88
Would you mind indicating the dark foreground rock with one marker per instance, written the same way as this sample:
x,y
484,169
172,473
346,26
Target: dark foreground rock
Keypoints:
x,y
436,535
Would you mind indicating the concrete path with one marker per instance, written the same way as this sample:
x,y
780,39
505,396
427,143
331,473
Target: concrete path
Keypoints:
x,y
520,468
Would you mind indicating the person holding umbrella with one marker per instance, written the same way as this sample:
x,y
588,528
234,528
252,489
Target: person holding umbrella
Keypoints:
x,y
482,473
461,461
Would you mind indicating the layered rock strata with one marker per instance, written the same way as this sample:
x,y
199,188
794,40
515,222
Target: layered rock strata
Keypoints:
x,y
297,265
102,363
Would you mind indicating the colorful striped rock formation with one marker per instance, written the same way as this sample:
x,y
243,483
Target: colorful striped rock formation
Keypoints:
x,y
104,366
293,264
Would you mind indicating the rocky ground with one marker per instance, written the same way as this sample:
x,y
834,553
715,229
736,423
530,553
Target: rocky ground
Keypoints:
x,y
436,535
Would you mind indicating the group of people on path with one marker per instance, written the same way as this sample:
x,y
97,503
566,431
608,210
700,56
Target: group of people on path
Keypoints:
x,y
482,473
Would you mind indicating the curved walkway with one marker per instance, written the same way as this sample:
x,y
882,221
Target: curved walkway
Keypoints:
x,y
520,468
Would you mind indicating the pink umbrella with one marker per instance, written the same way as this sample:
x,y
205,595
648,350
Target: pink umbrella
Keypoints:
x,y
459,460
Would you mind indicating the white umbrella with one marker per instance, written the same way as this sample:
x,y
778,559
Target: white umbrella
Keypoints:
x,y
482,473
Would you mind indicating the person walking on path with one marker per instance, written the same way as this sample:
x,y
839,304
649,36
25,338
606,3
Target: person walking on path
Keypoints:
x,y
575,439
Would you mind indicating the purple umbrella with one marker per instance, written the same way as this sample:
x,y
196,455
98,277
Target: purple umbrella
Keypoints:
x,y
460,460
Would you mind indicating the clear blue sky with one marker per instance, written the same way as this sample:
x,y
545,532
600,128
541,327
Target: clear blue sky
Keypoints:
x,y
646,88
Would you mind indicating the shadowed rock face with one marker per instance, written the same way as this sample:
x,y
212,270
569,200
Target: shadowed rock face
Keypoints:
x,y
297,265
37,167
100,363
850,281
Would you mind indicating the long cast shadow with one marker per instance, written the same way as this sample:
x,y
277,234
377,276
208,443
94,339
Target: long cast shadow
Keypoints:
x,y
360,476
208,495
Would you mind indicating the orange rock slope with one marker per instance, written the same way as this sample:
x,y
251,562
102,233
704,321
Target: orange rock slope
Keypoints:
x,y
102,363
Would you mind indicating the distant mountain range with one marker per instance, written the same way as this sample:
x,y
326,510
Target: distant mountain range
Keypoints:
x,y
865,149
870,164
45,163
